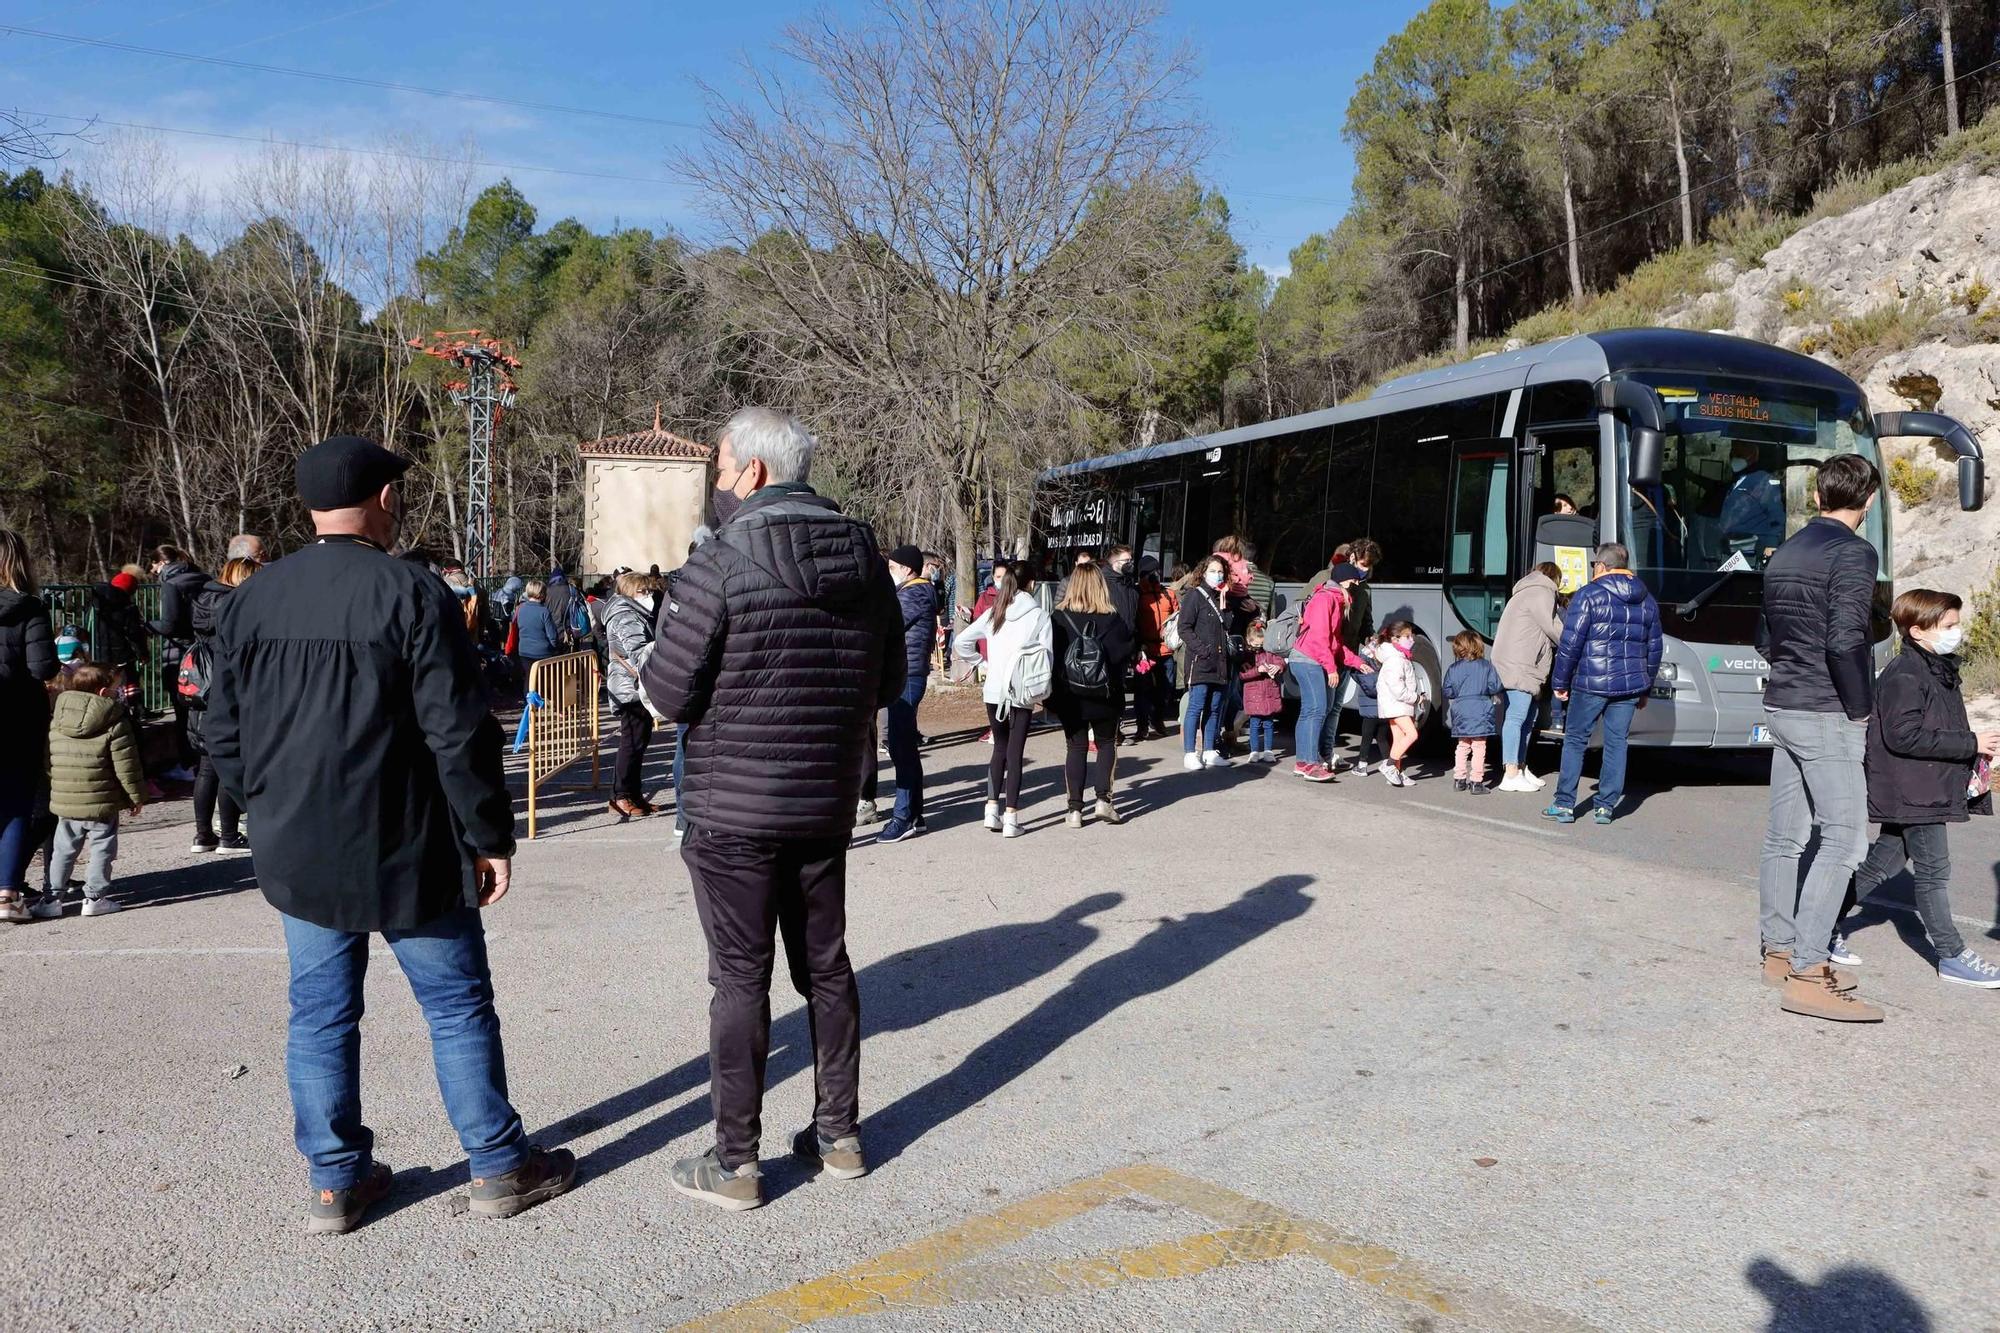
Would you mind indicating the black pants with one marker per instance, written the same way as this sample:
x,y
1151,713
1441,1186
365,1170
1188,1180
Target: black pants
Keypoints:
x,y
1078,755
209,800
1366,742
635,733
184,751
746,891
1010,747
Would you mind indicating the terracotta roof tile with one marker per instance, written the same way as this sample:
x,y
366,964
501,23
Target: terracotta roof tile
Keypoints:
x,y
646,444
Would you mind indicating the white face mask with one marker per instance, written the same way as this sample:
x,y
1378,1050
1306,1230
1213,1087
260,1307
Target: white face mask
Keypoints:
x,y
1739,465
1945,642
1213,578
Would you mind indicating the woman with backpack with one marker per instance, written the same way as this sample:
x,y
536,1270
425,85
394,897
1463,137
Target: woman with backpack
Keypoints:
x,y
628,638
1318,652
1093,650
210,801
1211,620
1019,660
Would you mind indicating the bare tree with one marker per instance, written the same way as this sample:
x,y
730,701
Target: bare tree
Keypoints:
x,y
938,195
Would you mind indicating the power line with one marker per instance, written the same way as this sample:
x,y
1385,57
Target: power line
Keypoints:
x,y
354,80
447,159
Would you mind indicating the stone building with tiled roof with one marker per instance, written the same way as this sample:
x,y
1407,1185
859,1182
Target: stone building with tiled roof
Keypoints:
x,y
644,494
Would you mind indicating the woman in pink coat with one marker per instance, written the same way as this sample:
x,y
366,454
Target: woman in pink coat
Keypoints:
x,y
1316,662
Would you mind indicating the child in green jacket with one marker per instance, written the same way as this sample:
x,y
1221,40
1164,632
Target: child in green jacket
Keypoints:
x,y
94,775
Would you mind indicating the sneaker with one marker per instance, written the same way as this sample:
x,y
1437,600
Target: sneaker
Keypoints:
x,y
1073,819
1601,814
1778,966
1272,757
202,847
48,907
1191,761
707,1179
865,813
679,833
898,830
1107,813
178,775
1478,788
12,908
1361,769
547,1173
104,906
1459,784
1969,969
236,846
337,1212
986,737
1010,825
840,1159
1812,993
1093,749
1559,815
993,816
1839,953
1313,772
1214,759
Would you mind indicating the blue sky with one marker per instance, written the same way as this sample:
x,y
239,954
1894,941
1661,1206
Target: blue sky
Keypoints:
x,y
1275,78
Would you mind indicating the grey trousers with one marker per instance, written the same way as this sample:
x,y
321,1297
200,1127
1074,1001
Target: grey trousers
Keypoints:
x,y
1817,780
73,838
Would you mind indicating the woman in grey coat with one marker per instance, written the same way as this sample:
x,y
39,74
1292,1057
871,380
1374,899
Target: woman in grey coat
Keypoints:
x,y
628,636
1524,653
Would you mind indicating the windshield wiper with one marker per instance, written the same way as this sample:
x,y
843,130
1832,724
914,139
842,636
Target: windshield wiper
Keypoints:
x,y
1731,567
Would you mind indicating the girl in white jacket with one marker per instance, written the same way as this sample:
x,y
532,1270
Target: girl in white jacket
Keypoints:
x,y
1014,621
1399,695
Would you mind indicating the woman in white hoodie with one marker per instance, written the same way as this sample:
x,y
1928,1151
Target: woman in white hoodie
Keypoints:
x,y
1014,621
1399,695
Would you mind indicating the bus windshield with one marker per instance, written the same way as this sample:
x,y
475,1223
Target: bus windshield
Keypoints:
x,y
1737,481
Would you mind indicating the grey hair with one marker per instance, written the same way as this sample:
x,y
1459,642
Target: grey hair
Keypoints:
x,y
777,438
245,546
1613,555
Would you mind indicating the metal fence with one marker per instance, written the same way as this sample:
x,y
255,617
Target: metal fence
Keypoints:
x,y
72,606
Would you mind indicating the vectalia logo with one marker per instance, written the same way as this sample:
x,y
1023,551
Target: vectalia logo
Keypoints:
x,y
1721,663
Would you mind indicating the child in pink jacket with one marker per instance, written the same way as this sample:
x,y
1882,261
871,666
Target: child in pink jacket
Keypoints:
x,y
1263,696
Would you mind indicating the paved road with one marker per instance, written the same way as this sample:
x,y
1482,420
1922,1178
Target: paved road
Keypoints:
x,y
1268,1056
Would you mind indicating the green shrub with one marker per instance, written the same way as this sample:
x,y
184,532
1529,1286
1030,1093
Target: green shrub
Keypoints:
x,y
1892,326
1749,233
1914,484
1982,627
1974,296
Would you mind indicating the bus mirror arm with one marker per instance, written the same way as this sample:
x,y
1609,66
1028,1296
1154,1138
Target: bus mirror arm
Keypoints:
x,y
1640,408
1936,425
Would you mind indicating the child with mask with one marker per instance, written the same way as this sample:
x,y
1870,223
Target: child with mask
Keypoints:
x,y
1206,619
1922,759
1399,697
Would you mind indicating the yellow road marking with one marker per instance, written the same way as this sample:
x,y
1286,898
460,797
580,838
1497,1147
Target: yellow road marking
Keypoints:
x,y
938,1270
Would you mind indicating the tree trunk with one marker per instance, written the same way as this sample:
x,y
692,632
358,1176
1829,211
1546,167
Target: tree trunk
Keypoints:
x,y
513,544
964,551
1569,221
1461,332
1950,69
1681,166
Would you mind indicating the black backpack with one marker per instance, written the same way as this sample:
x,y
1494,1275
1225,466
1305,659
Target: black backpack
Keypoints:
x,y
1085,672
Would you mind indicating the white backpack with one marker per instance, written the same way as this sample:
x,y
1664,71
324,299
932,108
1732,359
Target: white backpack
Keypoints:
x,y
1034,674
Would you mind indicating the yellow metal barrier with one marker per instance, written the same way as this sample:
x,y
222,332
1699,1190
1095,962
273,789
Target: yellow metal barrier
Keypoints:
x,y
565,728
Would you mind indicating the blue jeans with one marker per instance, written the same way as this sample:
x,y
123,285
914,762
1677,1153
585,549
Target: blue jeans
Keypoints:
x,y
1263,734
1818,780
1584,711
903,751
1203,716
1310,740
680,771
17,808
445,961
1516,730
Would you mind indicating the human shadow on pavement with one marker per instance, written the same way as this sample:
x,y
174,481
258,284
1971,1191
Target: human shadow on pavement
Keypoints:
x,y
1169,954
903,991
210,877
1849,1299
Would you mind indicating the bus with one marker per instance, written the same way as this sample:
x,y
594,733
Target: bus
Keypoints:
x,y
1656,437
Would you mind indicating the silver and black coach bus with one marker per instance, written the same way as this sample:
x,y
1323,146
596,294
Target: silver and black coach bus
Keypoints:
x,y
1455,473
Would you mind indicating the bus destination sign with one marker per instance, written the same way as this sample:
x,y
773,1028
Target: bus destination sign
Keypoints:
x,y
1719,405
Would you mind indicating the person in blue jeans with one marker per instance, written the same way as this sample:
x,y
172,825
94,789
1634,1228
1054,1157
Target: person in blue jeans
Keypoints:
x,y
918,600
1605,664
348,718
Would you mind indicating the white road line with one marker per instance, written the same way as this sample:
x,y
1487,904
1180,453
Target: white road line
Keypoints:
x,y
1513,826
1906,909
165,952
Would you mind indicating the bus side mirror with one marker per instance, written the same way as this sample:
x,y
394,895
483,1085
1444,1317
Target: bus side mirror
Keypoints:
x,y
1971,462
1649,455
1640,408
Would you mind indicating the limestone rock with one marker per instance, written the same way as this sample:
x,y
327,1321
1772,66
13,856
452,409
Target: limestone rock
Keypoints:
x,y
1936,544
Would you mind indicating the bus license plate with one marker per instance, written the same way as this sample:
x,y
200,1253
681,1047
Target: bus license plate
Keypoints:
x,y
1760,734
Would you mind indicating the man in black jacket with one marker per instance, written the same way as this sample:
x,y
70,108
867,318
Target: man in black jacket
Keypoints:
x,y
346,715
782,638
1819,593
181,581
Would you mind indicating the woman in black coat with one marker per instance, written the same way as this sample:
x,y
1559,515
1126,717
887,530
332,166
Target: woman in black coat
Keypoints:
x,y
1210,618
1094,703
1921,756
27,658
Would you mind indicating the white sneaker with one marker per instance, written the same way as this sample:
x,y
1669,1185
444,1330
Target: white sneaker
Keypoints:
x,y
1073,819
1191,761
865,812
1403,779
1010,826
993,816
104,906
1213,759
1533,783
1837,953
1388,775
1512,782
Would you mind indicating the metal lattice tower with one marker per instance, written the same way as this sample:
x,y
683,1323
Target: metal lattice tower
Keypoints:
x,y
486,392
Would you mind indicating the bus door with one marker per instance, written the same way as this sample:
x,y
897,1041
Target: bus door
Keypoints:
x,y
1212,491
1480,545
1153,523
1565,475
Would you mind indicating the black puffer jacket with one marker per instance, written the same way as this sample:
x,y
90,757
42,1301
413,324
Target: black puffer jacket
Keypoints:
x,y
27,658
118,632
1819,590
180,584
1920,744
780,640
918,600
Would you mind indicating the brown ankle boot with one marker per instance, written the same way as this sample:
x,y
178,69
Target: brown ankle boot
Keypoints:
x,y
1814,994
1778,966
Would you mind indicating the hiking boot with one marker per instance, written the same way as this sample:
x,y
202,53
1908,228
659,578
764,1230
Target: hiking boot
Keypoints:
x,y
104,906
337,1212
1073,819
840,1159
1969,969
547,1173
1814,994
707,1179
1778,966
1107,813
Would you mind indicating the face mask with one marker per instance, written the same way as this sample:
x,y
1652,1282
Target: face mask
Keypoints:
x,y
1213,578
1406,646
1945,642
1739,465
727,502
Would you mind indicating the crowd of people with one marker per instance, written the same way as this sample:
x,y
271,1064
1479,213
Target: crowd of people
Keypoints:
x,y
339,698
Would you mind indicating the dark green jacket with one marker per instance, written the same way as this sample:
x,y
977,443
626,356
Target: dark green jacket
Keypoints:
x,y
94,770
